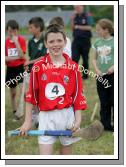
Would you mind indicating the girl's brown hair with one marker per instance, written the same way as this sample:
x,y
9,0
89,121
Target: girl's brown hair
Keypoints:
x,y
54,29
106,24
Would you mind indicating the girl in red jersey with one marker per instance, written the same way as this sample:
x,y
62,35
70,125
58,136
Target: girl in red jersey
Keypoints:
x,y
56,88
15,48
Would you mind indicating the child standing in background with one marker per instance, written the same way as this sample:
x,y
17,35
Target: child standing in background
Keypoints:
x,y
36,49
103,61
15,48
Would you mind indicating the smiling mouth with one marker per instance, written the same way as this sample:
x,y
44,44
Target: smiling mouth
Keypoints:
x,y
56,49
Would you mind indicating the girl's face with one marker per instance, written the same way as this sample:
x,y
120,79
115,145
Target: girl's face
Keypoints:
x,y
55,43
100,31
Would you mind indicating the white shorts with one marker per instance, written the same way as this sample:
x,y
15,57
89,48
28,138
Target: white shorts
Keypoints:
x,y
57,120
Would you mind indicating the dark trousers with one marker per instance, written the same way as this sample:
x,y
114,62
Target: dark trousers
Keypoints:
x,y
106,96
81,46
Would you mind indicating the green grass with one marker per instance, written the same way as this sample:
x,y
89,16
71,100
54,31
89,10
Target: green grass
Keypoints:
x,y
29,145
23,31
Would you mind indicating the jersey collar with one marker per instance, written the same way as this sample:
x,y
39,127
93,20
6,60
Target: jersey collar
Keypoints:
x,y
37,40
48,58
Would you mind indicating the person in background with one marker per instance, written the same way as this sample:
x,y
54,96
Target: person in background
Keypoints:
x,y
36,47
81,37
15,49
36,50
103,61
59,21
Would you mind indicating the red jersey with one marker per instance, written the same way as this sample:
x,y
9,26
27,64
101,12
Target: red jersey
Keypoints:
x,y
11,50
55,87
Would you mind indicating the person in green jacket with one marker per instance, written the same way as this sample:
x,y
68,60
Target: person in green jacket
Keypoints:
x,y
36,49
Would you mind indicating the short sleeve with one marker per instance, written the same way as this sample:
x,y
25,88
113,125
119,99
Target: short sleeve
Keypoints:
x,y
32,93
94,46
67,48
95,43
79,100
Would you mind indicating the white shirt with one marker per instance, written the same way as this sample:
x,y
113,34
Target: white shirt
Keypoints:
x,y
67,48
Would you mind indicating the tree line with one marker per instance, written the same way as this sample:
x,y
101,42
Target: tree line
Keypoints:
x,y
98,11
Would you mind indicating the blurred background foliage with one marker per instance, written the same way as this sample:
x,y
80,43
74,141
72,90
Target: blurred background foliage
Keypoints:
x,y
98,11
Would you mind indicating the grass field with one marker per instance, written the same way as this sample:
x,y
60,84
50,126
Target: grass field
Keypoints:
x,y
29,145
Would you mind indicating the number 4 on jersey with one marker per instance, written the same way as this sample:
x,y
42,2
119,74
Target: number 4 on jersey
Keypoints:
x,y
55,89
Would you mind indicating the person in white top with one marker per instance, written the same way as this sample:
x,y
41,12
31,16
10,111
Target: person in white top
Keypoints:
x,y
59,21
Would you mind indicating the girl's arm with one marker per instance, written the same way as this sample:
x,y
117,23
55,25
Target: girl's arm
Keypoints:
x,y
94,61
83,27
31,99
32,61
111,70
77,120
28,120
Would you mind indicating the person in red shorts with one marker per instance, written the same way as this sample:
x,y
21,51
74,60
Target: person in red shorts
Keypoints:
x,y
56,88
15,48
